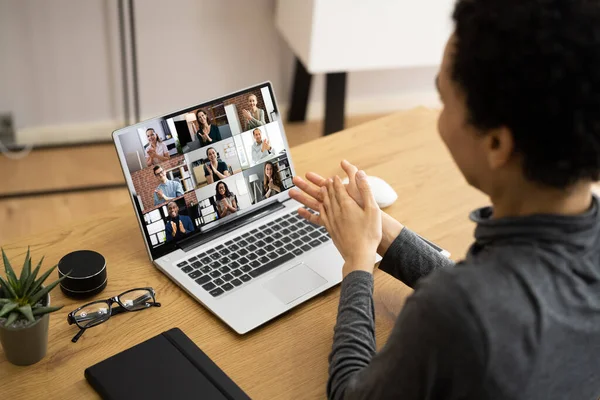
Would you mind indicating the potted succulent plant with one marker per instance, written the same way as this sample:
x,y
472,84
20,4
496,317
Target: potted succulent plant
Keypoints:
x,y
24,312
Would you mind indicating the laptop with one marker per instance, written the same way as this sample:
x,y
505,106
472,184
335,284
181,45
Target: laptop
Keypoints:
x,y
215,210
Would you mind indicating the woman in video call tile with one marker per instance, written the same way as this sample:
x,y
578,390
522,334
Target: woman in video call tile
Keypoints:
x,y
215,170
177,225
226,203
157,151
207,132
272,183
254,117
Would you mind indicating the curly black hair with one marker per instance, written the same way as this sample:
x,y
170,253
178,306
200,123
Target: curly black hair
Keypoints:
x,y
533,66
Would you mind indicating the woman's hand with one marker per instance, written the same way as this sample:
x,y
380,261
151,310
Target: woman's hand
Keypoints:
x,y
355,230
247,115
311,195
230,206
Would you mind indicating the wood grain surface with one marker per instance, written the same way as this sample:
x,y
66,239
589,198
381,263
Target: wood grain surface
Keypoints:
x,y
286,358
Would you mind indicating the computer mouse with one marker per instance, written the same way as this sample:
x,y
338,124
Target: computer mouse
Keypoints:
x,y
384,194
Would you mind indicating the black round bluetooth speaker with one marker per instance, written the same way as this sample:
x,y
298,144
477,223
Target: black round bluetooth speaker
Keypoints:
x,y
86,274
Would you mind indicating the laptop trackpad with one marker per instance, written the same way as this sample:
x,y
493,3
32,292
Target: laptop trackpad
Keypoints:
x,y
295,283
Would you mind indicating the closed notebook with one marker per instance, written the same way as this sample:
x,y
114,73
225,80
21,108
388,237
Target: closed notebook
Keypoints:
x,y
167,366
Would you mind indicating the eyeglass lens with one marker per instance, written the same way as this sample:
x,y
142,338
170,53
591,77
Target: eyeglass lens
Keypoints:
x,y
92,314
136,299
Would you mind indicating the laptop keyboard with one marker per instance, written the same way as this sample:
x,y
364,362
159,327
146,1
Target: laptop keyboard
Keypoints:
x,y
254,253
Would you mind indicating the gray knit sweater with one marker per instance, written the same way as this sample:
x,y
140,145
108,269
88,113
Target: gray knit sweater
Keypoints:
x,y
519,318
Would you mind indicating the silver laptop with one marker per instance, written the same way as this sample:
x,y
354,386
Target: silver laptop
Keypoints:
x,y
210,188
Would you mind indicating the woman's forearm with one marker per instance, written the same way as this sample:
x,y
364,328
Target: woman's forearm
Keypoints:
x,y
220,175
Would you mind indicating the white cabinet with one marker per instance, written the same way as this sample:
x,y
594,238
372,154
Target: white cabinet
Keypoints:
x,y
351,35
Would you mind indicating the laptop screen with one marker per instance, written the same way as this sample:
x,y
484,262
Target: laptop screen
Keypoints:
x,y
192,171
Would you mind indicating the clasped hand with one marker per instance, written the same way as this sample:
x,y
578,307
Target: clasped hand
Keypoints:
x,y
349,213
265,145
174,228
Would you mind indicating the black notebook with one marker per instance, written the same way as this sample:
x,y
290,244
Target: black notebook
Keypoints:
x,y
168,366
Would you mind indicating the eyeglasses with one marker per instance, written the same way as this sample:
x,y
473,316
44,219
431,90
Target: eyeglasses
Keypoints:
x,y
97,312
159,173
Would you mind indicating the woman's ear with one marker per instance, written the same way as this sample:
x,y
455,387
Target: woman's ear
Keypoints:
x,y
499,147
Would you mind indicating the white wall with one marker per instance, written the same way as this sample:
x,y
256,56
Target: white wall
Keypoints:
x,y
60,76
55,62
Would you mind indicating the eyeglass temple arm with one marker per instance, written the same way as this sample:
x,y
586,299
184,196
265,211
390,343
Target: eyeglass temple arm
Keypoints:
x,y
76,337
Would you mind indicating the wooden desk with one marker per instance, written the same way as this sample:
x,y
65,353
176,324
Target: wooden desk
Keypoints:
x,y
286,358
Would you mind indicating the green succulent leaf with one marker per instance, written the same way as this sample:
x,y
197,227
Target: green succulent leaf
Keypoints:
x,y
36,297
45,310
11,318
10,272
26,311
7,308
26,269
4,301
7,288
36,285
31,278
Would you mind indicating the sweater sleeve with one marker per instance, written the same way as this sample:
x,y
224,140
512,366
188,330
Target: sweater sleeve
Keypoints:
x,y
409,258
354,333
254,122
436,349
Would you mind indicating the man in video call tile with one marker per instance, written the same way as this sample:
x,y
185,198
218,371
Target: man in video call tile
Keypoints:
x,y
260,148
166,190
177,225
215,170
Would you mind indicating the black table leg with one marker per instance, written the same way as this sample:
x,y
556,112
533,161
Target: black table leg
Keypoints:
x,y
335,102
300,92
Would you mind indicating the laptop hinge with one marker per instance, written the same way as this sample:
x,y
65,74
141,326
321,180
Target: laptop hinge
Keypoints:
x,y
193,242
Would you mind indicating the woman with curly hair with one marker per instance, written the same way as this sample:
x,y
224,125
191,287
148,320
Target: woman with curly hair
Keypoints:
x,y
519,316
226,202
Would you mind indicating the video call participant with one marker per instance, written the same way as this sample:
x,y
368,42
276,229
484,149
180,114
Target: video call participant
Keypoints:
x,y
207,132
260,148
215,170
166,190
272,183
226,203
156,151
177,226
254,117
